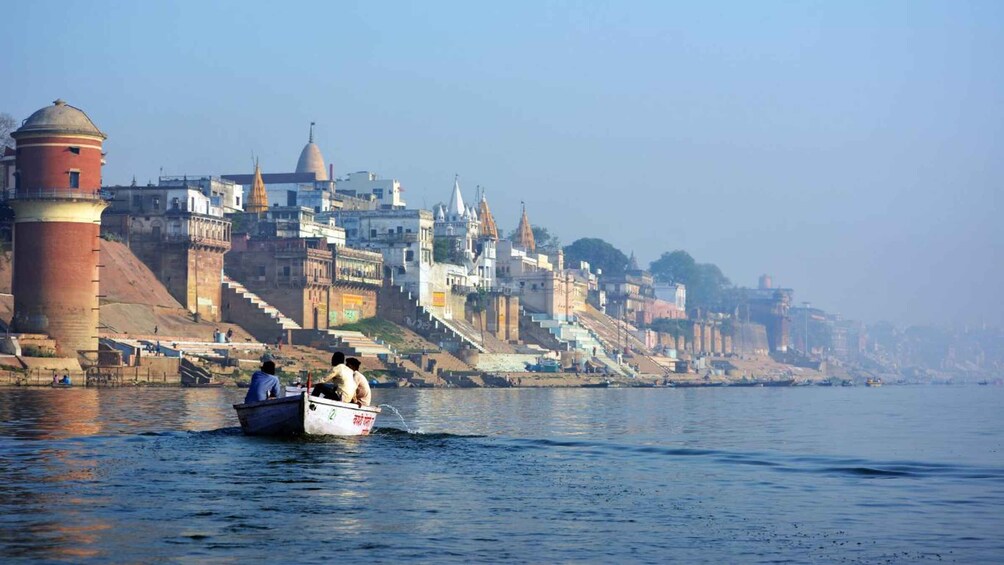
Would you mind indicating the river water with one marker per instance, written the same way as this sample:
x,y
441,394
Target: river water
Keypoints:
x,y
902,474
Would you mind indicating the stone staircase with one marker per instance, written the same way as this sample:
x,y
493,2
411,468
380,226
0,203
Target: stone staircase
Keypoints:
x,y
351,343
505,362
409,313
194,375
578,338
249,311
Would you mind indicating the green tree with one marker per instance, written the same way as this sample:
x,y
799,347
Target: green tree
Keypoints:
x,y
705,282
444,250
598,253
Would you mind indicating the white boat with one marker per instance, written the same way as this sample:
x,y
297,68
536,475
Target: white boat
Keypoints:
x,y
305,415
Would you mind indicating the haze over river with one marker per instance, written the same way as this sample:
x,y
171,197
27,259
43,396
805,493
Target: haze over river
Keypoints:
x,y
901,474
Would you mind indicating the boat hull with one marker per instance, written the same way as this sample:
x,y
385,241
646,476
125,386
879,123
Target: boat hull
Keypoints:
x,y
305,415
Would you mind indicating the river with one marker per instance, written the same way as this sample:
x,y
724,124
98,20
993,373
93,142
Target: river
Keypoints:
x,y
900,474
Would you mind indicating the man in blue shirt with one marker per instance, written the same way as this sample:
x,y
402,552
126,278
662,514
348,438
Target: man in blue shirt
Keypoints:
x,y
264,384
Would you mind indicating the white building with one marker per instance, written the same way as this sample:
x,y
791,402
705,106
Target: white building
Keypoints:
x,y
301,222
404,237
386,193
224,193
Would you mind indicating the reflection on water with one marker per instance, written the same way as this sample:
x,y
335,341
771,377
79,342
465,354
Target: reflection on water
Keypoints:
x,y
898,474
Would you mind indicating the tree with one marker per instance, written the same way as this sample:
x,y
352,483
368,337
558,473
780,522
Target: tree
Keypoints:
x,y
678,267
542,237
7,126
444,250
705,282
598,253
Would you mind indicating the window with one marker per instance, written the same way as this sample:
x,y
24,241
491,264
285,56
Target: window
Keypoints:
x,y
285,271
74,179
373,233
75,150
137,201
409,255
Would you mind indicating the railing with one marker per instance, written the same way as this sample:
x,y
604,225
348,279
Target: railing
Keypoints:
x,y
54,193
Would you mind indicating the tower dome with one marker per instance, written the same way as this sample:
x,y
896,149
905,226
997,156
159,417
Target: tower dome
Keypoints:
x,y
311,160
60,118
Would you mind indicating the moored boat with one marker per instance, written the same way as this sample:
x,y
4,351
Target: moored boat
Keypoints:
x,y
302,414
873,382
780,382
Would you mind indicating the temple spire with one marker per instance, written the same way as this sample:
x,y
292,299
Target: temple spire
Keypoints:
x,y
311,140
456,206
258,200
524,233
488,227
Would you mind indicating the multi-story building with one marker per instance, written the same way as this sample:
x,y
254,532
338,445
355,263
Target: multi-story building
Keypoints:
x,y
179,234
633,296
385,194
222,193
316,284
291,222
403,237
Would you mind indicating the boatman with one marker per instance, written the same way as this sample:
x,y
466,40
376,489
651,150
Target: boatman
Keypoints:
x,y
264,384
363,394
340,384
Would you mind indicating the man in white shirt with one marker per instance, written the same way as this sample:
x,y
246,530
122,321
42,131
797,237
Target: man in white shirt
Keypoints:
x,y
363,394
340,383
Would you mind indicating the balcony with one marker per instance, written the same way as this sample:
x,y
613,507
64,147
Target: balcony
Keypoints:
x,y
54,194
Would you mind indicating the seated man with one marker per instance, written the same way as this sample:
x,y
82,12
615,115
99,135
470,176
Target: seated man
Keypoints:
x,y
340,384
363,394
264,384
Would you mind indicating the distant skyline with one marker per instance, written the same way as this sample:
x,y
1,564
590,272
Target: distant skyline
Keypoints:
x,y
851,150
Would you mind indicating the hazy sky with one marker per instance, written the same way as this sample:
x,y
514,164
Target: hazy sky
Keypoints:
x,y
854,150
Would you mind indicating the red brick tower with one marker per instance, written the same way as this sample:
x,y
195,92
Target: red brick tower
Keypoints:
x,y
57,206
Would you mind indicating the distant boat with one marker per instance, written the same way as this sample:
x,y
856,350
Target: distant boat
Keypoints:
x,y
61,385
783,382
846,382
305,415
601,384
983,383
874,382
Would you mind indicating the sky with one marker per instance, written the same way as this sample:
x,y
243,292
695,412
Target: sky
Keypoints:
x,y
853,150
